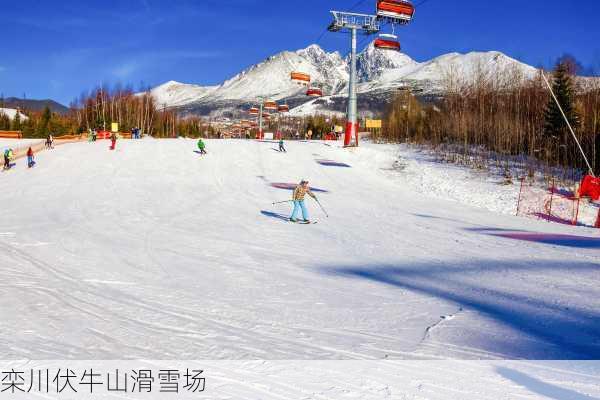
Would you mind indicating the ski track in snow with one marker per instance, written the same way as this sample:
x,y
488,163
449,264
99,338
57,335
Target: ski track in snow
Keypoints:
x,y
155,252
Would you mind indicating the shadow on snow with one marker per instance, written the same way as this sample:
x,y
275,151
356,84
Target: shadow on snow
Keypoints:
x,y
561,332
275,215
542,388
556,239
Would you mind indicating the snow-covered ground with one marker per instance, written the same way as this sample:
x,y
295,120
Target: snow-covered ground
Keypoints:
x,y
153,252
12,112
17,143
416,168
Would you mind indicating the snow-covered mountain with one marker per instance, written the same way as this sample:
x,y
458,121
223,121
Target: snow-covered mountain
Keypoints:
x,y
174,94
380,72
12,112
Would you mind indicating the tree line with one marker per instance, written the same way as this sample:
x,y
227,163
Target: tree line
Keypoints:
x,y
503,116
98,109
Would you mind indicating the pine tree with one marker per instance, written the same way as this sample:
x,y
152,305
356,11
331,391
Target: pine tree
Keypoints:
x,y
555,127
4,122
16,124
42,129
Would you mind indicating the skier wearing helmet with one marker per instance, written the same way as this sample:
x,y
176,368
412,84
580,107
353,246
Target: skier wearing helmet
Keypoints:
x,y
298,197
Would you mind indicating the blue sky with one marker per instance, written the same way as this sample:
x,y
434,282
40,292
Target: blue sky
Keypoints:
x,y
57,49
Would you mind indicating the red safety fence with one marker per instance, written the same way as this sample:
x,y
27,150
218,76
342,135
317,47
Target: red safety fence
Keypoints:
x,y
11,135
556,204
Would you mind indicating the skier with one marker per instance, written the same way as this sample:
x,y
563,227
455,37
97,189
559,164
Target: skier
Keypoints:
x,y
298,197
94,135
113,141
281,148
201,146
30,161
7,157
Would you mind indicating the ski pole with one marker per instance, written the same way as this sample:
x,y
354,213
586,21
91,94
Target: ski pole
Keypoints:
x,y
280,202
320,205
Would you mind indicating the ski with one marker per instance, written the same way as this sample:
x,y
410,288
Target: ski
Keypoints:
x,y
302,222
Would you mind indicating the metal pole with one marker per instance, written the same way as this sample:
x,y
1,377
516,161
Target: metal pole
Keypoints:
x,y
351,122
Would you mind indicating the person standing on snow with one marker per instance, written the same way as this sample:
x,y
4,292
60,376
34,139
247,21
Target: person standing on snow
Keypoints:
x,y
113,141
201,146
281,148
298,198
7,157
30,161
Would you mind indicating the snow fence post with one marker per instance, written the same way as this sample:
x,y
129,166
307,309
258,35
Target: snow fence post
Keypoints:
x,y
576,211
551,198
520,193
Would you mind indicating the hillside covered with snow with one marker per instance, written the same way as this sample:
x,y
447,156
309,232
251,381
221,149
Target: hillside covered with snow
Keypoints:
x,y
12,112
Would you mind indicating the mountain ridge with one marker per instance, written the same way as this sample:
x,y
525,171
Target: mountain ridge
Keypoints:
x,y
380,73
33,105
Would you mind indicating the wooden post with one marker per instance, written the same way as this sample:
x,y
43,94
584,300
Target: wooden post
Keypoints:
x,y
520,193
551,198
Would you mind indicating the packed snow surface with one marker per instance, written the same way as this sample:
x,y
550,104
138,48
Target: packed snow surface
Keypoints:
x,y
154,252
155,238
17,143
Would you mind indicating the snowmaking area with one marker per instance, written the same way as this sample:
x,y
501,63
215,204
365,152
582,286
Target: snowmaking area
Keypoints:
x,y
154,252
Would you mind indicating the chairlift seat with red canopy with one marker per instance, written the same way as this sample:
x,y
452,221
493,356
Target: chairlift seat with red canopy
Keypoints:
x,y
385,43
314,92
270,105
300,77
253,111
283,108
400,10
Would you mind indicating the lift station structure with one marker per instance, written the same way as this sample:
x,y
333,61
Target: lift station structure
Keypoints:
x,y
394,12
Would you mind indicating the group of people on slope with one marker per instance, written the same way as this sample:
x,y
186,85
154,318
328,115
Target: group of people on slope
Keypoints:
x,y
9,156
136,133
50,141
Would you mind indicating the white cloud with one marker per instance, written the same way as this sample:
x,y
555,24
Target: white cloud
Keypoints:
x,y
126,70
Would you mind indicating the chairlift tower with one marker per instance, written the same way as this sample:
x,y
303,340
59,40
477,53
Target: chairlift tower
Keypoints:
x,y
353,23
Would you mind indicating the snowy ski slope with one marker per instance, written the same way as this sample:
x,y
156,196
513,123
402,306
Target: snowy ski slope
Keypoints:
x,y
152,252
